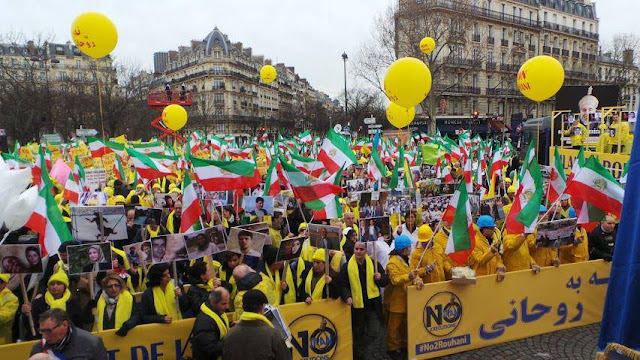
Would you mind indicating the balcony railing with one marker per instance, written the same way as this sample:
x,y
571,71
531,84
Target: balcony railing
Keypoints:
x,y
491,40
555,51
502,92
504,42
575,54
565,52
532,47
546,49
491,65
509,67
458,89
476,37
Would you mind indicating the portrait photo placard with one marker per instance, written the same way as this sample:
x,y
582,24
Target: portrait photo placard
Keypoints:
x,y
290,248
21,259
139,253
258,205
375,229
143,215
325,236
556,233
88,258
246,242
168,248
205,242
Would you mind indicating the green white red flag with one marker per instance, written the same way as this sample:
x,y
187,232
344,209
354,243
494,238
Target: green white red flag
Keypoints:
x,y
272,182
335,152
217,175
312,191
333,210
146,167
557,179
461,239
191,209
47,221
595,185
523,215
99,147
307,165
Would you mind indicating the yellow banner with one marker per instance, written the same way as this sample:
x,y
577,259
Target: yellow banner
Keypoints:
x,y
321,330
25,153
446,318
107,161
612,162
86,161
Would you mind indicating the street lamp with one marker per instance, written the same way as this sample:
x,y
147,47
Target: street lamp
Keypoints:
x,y
344,59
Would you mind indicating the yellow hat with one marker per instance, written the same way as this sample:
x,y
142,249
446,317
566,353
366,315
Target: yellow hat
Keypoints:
x,y
108,190
172,186
508,180
119,198
4,278
511,189
175,190
156,186
424,233
110,183
140,186
319,255
59,276
302,226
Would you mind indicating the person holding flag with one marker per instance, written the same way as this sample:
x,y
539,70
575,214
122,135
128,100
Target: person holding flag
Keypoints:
x,y
428,257
485,258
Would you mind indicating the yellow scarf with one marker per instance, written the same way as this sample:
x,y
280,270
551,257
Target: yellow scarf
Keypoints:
x,y
317,291
290,296
170,221
62,266
123,310
221,321
208,286
165,301
299,270
152,233
354,280
251,316
57,303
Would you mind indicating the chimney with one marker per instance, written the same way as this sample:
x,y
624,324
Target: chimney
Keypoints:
x,y
627,57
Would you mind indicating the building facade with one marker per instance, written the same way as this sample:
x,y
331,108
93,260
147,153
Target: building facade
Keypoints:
x,y
228,95
488,41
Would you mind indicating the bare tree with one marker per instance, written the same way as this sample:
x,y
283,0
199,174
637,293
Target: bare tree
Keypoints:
x,y
363,103
397,32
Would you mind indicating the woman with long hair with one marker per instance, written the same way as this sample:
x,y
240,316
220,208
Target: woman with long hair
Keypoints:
x,y
159,302
34,260
97,260
409,227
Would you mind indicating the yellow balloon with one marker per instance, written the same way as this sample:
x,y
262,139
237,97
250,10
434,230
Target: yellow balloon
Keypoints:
x,y
174,117
94,34
399,116
407,82
427,45
540,78
268,74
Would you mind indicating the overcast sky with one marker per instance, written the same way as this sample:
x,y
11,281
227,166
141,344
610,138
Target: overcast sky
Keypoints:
x,y
309,35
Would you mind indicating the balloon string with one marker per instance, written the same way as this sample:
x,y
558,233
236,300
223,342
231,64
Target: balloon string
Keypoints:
x,y
100,100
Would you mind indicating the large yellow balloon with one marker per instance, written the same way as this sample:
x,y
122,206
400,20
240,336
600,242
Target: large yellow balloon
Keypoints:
x,y
399,116
540,78
174,117
94,34
427,45
407,82
268,74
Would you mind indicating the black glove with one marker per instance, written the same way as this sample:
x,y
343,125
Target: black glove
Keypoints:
x,y
122,331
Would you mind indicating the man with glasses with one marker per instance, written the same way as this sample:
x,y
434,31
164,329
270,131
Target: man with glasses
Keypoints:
x,y
62,339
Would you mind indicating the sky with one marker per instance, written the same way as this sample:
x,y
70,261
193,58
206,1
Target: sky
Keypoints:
x,y
308,35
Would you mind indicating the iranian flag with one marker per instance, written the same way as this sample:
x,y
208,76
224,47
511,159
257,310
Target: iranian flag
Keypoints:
x,y
623,177
335,152
312,191
462,238
147,167
245,153
216,142
557,179
523,216
99,148
71,189
305,137
191,210
377,170
217,175
272,183
148,147
307,165
46,219
595,185
14,162
119,170
497,163
333,210
466,173
578,163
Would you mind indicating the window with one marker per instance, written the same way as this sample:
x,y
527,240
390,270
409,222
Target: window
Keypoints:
x,y
590,28
564,20
504,58
219,112
80,76
489,107
78,64
218,84
217,54
489,78
62,75
555,18
515,12
546,16
555,41
583,26
474,81
490,31
490,57
504,33
504,9
475,29
574,23
531,15
218,99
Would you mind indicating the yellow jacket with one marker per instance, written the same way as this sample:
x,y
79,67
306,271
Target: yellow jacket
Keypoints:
x,y
618,132
441,239
576,253
275,237
578,133
8,308
434,257
395,294
266,286
603,139
542,256
482,260
515,252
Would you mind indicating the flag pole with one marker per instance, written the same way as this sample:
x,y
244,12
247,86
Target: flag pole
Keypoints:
x,y
26,300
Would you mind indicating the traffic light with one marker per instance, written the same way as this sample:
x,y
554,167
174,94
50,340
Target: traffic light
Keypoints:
x,y
475,114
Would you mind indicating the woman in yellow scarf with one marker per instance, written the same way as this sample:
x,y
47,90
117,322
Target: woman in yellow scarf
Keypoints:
x,y
202,283
57,296
159,302
114,306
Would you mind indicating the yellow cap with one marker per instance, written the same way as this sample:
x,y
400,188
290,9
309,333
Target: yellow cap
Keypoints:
x,y
108,190
302,226
511,189
119,198
156,186
4,278
172,186
508,180
110,183
140,186
60,276
424,233
319,255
